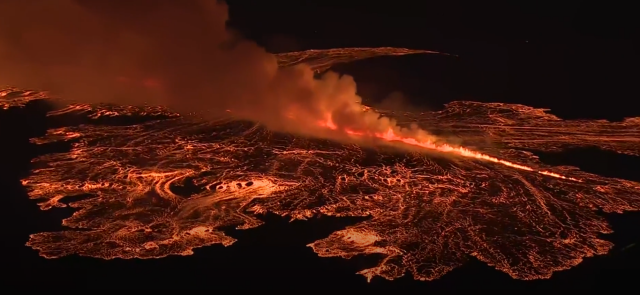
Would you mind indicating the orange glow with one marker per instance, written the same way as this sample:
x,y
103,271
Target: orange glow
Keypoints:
x,y
172,183
328,123
151,83
391,136
450,205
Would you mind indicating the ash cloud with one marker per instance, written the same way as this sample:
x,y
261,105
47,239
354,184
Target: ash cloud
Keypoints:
x,y
174,53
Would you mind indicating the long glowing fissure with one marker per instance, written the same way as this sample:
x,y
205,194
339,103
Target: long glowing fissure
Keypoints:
x,y
391,136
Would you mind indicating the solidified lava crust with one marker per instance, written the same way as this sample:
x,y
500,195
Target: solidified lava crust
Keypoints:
x,y
429,211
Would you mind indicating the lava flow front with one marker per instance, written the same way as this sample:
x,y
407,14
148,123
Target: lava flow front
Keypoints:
x,y
167,184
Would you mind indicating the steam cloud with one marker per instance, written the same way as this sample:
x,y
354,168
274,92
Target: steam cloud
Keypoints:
x,y
174,53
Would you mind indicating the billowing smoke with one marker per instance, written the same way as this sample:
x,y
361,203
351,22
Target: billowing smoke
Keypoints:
x,y
166,52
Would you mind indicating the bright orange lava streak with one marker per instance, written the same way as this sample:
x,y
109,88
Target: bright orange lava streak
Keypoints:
x,y
391,136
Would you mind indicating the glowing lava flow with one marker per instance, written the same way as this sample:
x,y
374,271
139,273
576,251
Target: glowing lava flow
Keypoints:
x,y
149,183
391,136
427,214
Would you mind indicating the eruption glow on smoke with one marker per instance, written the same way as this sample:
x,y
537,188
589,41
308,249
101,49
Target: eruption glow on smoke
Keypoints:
x,y
428,213
196,63
178,54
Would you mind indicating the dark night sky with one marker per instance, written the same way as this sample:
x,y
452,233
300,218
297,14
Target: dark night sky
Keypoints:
x,y
555,55
428,22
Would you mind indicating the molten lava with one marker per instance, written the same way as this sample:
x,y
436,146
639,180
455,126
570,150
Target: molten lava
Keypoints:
x,y
167,184
391,136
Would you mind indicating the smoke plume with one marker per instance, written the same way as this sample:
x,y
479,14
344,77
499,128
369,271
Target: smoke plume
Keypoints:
x,y
164,52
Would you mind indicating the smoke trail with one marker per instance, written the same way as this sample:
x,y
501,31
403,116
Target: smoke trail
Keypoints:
x,y
174,53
